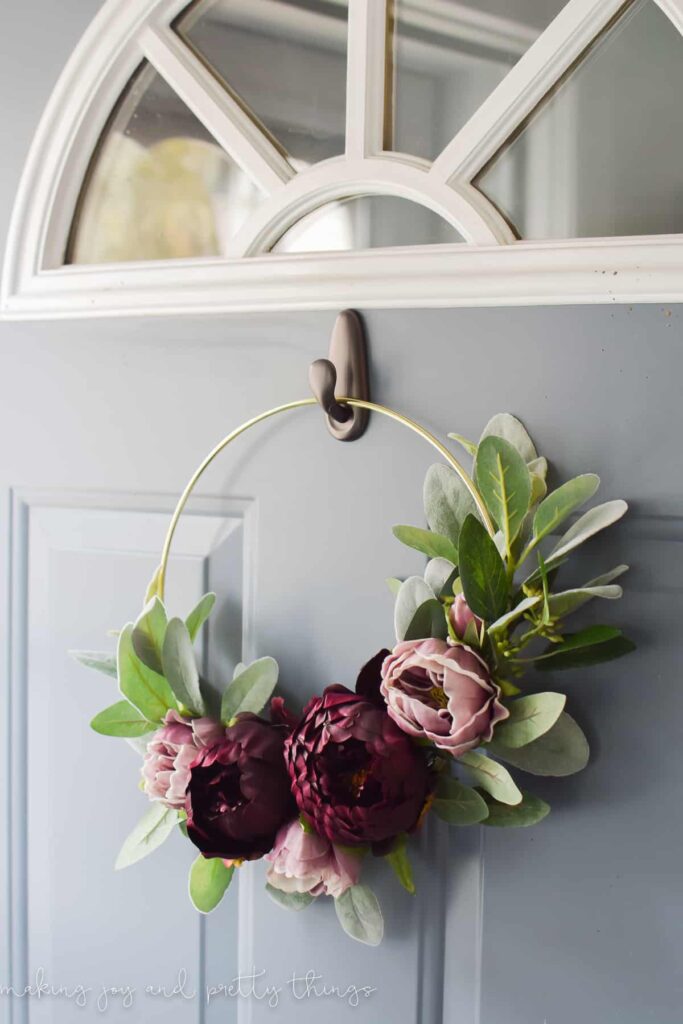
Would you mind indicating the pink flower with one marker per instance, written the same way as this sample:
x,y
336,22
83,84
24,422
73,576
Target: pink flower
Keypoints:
x,y
460,616
442,692
303,861
171,751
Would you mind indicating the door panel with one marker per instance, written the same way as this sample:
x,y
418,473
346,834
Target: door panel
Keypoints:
x,y
573,920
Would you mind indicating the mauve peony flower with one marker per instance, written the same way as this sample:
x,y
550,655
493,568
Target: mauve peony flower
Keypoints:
x,y
460,615
442,692
355,775
239,794
171,751
302,861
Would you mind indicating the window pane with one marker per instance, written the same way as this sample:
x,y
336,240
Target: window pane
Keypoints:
x,y
159,187
446,58
604,155
285,60
366,222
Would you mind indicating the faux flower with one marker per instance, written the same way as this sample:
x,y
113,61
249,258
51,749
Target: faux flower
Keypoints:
x,y
303,861
239,794
171,751
442,692
355,775
460,615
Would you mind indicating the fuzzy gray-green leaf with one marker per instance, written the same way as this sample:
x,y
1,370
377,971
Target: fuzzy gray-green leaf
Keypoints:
x,y
434,545
180,666
148,634
151,831
560,503
412,593
250,690
530,717
529,812
458,804
491,776
360,915
98,660
289,900
142,686
199,614
563,750
447,501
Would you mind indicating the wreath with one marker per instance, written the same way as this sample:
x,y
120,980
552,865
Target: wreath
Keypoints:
x,y
431,725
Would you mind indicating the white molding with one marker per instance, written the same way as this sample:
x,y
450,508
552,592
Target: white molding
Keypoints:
x,y
365,78
674,12
525,273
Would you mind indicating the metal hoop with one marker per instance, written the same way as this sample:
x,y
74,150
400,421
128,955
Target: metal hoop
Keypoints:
x,y
300,404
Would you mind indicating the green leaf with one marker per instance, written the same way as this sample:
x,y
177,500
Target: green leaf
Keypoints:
x,y
151,831
482,572
198,616
289,900
531,810
99,660
250,690
563,750
394,585
208,882
538,469
447,501
590,646
360,915
439,575
590,523
505,620
398,858
148,634
511,430
491,776
530,717
153,585
180,667
458,804
505,485
428,621
469,446
434,545
121,719
145,688
568,601
412,593
554,509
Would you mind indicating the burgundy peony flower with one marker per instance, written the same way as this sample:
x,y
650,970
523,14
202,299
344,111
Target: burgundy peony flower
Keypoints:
x,y
171,751
355,775
302,861
239,794
442,692
460,615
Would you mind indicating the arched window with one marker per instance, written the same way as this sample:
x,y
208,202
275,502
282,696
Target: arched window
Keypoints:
x,y
258,154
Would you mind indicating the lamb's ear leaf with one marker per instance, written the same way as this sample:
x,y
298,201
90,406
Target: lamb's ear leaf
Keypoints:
x,y
360,915
428,621
199,614
440,575
563,750
151,831
590,523
458,804
491,776
122,719
447,501
530,717
148,634
180,667
289,900
412,593
434,545
208,882
560,503
141,685
98,660
504,425
531,810
250,690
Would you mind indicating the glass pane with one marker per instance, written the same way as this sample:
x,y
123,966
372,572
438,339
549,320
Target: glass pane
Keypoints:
x,y
604,155
285,60
366,222
447,58
159,187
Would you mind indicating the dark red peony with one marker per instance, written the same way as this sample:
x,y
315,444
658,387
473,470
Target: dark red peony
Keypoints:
x,y
355,775
239,792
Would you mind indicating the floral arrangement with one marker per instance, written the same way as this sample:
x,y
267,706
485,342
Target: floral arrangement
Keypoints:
x,y
429,728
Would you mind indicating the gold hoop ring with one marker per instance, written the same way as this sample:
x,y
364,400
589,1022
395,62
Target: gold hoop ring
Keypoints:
x,y
300,404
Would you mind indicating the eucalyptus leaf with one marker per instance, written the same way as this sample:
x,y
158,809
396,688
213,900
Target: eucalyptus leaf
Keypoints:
x,y
142,686
515,613
529,812
510,429
482,572
250,690
447,501
590,523
98,660
491,776
607,577
530,717
590,646
505,485
554,509
413,593
121,719
458,804
563,750
151,831
469,446
199,614
428,621
434,545
568,601
148,634
289,900
180,667
400,863
208,882
360,915
439,575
